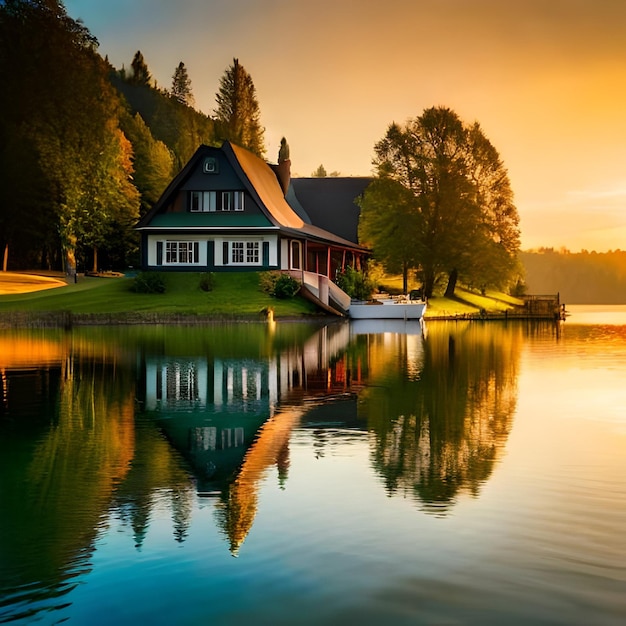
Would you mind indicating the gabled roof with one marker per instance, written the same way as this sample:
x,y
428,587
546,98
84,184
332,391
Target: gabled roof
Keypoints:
x,y
262,184
255,174
330,202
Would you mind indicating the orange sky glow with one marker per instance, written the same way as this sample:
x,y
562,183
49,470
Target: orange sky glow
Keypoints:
x,y
546,81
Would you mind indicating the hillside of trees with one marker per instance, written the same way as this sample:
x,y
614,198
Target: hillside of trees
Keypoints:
x,y
85,148
580,278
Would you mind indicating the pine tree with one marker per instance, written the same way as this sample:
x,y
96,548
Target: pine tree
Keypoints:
x,y
238,113
181,86
141,74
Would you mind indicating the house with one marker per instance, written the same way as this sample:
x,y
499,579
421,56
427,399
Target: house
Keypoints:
x,y
228,210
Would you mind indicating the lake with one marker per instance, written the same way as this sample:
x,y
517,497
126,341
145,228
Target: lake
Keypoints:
x,y
294,473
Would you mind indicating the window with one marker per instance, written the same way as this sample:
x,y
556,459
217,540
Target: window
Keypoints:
x,y
252,252
209,201
202,201
210,166
232,200
181,252
236,254
242,252
295,255
195,201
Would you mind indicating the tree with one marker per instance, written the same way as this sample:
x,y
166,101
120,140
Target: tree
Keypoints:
x,y
64,112
141,74
110,202
321,172
389,219
466,225
153,163
238,113
181,86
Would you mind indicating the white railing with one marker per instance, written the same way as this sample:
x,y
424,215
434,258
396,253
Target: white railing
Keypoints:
x,y
322,288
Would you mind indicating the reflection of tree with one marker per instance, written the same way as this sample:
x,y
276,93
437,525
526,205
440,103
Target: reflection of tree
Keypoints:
x,y
238,507
68,478
156,472
439,433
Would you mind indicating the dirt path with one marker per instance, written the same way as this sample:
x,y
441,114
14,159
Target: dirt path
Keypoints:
x,y
12,283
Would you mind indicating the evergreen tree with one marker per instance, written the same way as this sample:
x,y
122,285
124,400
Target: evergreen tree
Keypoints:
x,y
320,172
238,113
181,86
141,74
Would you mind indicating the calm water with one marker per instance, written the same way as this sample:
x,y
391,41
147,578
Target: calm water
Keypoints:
x,y
464,474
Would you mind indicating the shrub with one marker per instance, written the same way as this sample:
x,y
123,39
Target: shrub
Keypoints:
x,y
278,284
207,281
286,287
148,282
356,284
267,280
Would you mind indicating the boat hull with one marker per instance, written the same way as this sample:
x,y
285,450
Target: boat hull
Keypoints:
x,y
387,311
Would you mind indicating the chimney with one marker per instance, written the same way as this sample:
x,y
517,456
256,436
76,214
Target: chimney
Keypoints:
x,y
283,169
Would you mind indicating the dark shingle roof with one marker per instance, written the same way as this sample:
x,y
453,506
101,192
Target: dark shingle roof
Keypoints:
x,y
330,203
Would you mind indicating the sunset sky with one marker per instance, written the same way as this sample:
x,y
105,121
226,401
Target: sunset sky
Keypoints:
x,y
546,79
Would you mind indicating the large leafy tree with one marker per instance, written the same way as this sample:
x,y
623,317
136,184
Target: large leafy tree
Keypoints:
x,y
238,113
460,221
391,225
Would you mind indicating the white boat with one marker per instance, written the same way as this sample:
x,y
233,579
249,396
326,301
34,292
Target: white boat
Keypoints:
x,y
387,309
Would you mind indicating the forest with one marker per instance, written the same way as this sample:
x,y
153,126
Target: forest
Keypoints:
x,y
86,148
579,277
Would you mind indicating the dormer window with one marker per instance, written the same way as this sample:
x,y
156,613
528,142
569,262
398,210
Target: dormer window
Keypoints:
x,y
210,166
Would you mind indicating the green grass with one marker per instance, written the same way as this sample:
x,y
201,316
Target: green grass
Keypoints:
x,y
466,301
234,295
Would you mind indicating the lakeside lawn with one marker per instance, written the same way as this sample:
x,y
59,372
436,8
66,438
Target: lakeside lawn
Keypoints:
x,y
465,301
233,295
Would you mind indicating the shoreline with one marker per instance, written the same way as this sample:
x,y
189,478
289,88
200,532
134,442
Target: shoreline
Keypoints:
x,y
68,320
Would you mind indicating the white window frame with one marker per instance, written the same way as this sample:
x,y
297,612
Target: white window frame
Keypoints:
x,y
244,252
238,197
237,252
253,253
206,201
202,201
232,200
180,252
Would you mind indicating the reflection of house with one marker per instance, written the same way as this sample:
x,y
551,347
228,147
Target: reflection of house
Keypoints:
x,y
231,418
212,408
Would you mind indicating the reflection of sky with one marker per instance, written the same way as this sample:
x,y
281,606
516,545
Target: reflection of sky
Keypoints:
x,y
542,541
